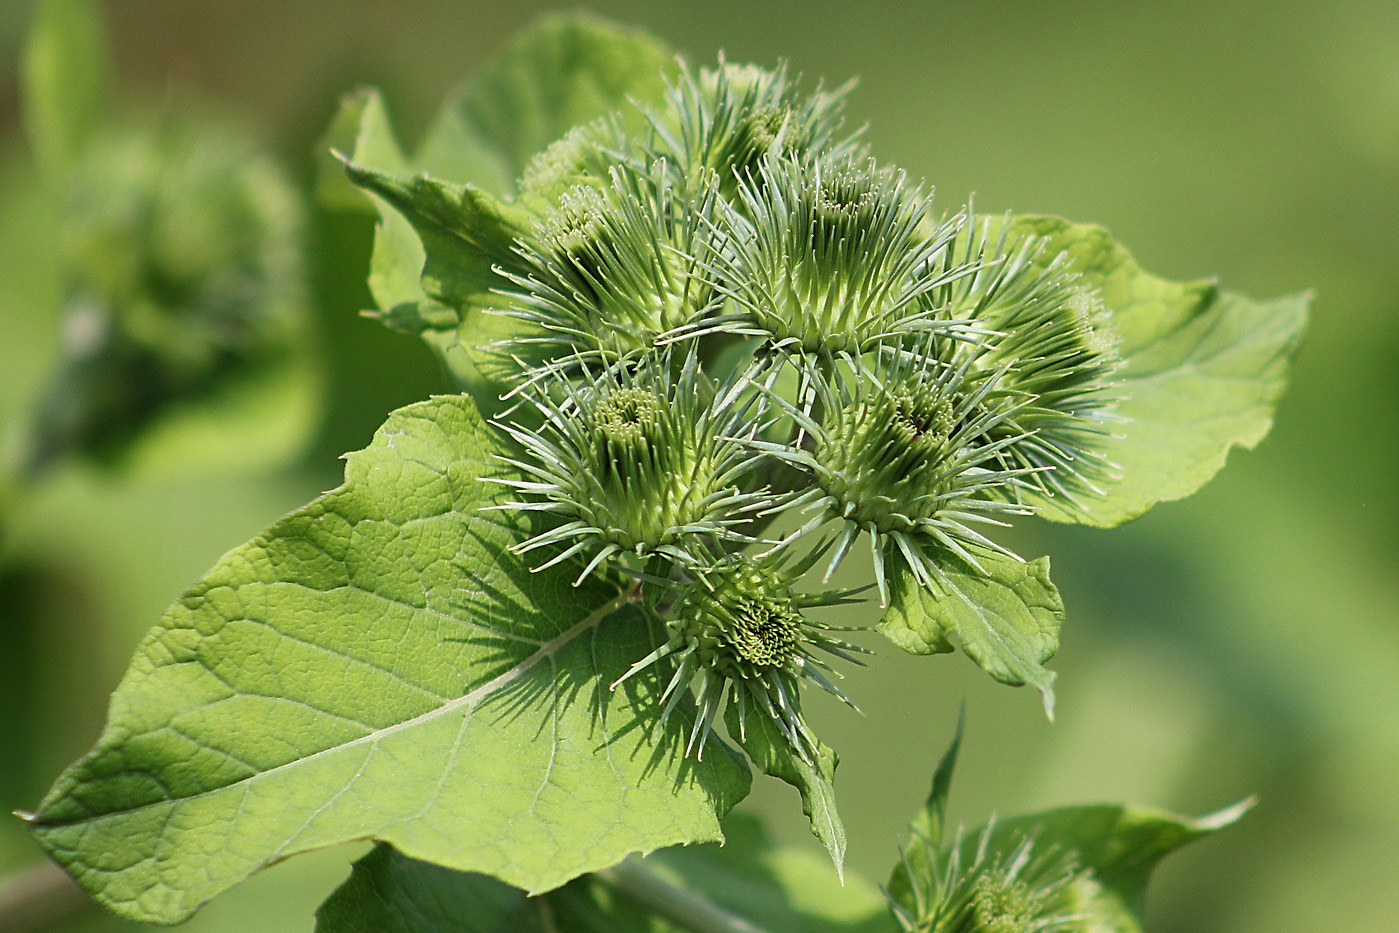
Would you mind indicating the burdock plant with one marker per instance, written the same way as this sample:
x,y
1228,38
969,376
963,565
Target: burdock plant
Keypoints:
x,y
716,342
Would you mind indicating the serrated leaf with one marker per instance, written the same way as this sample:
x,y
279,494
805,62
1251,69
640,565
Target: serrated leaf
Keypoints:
x,y
377,665
771,888
466,233
65,72
814,781
1119,846
1203,371
1006,620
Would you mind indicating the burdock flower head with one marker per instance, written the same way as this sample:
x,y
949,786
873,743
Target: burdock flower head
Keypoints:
x,y
826,257
1052,342
723,122
903,448
639,461
609,266
737,630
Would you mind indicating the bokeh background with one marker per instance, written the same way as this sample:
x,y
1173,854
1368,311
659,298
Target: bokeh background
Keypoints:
x,y
1241,642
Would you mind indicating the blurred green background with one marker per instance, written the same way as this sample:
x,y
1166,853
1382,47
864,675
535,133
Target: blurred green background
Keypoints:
x,y
1243,641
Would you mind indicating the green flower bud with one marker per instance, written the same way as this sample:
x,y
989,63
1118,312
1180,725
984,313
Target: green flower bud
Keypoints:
x,y
900,451
827,257
738,633
1053,341
636,462
966,889
610,267
723,122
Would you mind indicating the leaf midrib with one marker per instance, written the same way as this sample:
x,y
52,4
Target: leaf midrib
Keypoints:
x,y
469,699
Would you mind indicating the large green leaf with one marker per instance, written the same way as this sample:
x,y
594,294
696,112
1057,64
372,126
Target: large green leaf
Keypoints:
x,y
377,665
1202,371
748,880
1006,620
566,71
65,73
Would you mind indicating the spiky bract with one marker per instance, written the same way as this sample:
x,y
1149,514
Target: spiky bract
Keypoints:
x,y
902,450
828,256
1053,341
723,122
633,461
610,269
967,889
736,630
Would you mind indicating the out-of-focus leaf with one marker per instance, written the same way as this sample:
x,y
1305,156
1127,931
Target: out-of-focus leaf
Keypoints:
x,y
377,665
1202,371
65,73
567,70
1006,620
779,890
387,892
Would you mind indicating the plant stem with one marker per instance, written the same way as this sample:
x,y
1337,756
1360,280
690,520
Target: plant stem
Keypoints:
x,y
678,907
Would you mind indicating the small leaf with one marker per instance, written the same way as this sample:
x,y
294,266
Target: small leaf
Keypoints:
x,y
465,233
770,751
1202,371
65,73
360,131
1118,846
1006,620
378,665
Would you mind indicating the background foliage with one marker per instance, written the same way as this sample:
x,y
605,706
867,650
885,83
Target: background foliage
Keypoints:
x,y
1240,641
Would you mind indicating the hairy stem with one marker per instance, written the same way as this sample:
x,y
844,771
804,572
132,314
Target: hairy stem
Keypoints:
x,y
680,908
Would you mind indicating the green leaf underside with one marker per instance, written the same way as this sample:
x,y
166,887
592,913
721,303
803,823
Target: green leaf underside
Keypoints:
x,y
377,665
388,892
777,889
814,781
1202,372
1119,845
1006,620
566,71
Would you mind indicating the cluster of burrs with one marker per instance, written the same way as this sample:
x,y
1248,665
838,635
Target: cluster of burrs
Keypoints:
x,y
734,320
